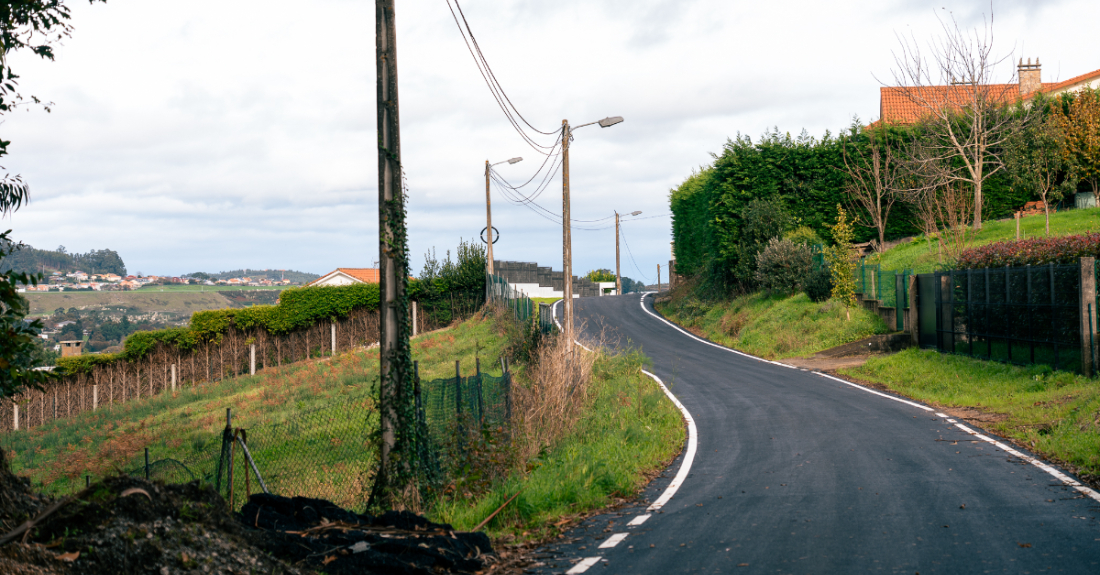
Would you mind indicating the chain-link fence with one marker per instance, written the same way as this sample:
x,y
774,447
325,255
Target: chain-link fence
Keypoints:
x,y
330,452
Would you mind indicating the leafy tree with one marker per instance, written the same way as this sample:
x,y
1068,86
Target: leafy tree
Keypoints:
x,y
841,261
19,346
1079,120
600,275
632,286
761,221
1036,160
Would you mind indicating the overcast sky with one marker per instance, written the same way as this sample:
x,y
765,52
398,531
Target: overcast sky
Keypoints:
x,y
212,135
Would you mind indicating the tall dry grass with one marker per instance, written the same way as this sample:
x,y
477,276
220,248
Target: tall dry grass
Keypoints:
x,y
550,395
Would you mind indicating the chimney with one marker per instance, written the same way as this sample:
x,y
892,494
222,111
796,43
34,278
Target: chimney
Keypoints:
x,y
1030,77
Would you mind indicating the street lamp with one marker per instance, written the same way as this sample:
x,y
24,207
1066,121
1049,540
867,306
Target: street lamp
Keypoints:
x,y
567,244
489,208
618,276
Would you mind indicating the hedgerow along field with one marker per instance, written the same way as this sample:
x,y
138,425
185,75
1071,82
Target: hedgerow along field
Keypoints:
x,y
187,425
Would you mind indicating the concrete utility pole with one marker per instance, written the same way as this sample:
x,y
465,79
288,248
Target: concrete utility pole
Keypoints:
x,y
489,210
393,259
488,220
567,245
618,276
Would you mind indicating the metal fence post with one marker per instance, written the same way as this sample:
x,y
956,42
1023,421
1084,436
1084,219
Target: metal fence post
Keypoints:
x,y
1053,317
914,311
1030,327
480,400
1088,319
1008,306
147,464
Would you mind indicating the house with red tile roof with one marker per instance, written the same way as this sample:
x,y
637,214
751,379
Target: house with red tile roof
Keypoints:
x,y
347,276
906,105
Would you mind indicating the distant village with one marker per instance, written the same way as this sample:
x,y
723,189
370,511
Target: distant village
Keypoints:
x,y
79,280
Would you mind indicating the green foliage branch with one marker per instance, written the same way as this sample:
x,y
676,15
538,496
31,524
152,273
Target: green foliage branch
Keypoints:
x,y
841,261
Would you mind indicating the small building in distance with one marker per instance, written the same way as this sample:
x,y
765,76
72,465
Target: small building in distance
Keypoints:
x,y
74,347
347,276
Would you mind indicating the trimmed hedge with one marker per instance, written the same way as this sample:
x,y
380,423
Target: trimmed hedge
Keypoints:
x,y
1036,251
298,308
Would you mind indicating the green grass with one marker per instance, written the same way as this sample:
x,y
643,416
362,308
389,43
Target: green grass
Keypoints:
x,y
611,453
1055,413
545,300
773,327
186,426
921,256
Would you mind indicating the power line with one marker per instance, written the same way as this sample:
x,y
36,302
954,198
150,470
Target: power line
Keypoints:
x,y
502,99
631,254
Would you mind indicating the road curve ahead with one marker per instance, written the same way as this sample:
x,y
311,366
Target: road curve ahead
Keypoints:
x,y
799,473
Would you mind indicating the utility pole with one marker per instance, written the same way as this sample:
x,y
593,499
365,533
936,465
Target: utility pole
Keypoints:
x,y
567,246
618,276
488,219
395,362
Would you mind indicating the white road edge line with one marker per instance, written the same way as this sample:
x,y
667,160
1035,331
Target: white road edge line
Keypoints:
x,y
689,454
584,565
613,540
693,431
638,520
1065,479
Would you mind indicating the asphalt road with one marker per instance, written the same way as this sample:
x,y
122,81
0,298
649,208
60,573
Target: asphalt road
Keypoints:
x,y
799,473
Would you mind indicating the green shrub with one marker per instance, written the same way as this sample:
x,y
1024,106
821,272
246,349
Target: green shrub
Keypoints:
x,y
819,285
782,266
804,235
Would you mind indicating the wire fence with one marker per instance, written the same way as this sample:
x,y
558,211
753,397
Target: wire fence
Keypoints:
x,y
330,452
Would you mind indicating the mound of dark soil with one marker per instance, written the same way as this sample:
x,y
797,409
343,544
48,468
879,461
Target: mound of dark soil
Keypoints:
x,y
128,525
315,534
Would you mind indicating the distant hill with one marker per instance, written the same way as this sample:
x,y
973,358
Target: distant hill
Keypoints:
x,y
30,260
292,275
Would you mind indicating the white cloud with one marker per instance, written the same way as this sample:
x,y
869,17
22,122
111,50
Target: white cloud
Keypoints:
x,y
215,135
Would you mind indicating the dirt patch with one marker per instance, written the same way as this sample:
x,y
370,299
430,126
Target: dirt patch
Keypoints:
x,y
316,534
830,364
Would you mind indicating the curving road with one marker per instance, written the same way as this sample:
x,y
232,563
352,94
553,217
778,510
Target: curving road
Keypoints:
x,y
796,472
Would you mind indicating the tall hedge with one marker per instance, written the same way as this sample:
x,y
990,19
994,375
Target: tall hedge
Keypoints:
x,y
298,308
806,174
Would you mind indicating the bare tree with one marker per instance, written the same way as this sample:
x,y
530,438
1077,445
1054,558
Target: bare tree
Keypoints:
x,y
876,176
965,114
942,208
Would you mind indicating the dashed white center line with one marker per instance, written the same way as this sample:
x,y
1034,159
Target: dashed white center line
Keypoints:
x,y
584,565
613,540
638,520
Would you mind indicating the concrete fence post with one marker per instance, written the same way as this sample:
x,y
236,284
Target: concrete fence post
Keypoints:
x,y
252,359
333,326
15,415
95,397
173,378
1088,314
414,318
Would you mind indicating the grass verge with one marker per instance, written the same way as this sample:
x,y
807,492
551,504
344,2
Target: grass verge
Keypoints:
x,y
628,431
923,256
772,327
186,425
1054,413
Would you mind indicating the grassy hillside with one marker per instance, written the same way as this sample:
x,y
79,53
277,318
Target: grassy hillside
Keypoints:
x,y
923,256
186,425
176,303
772,327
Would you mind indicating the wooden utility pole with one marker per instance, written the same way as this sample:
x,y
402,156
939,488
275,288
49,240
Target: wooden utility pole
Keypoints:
x,y
395,362
567,247
488,219
618,276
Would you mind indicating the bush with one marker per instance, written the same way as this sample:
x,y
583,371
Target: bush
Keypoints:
x,y
782,266
1037,251
761,221
804,235
819,285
